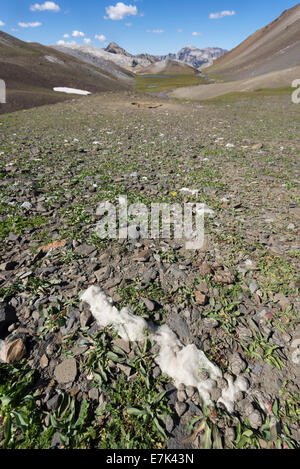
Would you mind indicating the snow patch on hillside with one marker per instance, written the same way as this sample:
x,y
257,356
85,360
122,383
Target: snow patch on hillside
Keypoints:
x,y
71,91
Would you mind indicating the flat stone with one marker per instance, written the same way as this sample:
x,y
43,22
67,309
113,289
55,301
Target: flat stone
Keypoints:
x,y
44,361
283,301
66,372
255,419
224,277
52,403
181,408
210,323
179,325
79,350
125,369
205,269
200,298
190,391
149,304
215,394
94,394
253,287
237,364
86,318
169,423
143,256
181,396
122,344
85,249
15,351
202,287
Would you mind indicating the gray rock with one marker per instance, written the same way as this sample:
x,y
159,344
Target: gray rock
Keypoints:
x,y
181,408
190,391
127,370
51,349
156,372
44,361
237,364
253,287
222,383
179,325
85,250
56,441
66,372
169,423
181,396
210,323
52,404
94,394
76,351
103,401
123,345
229,434
149,304
255,419
26,205
149,275
204,375
246,407
86,318
215,394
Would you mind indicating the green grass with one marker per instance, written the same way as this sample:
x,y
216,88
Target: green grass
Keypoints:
x,y
260,93
142,84
18,224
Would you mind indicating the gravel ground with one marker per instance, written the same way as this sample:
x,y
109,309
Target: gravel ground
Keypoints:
x,y
64,381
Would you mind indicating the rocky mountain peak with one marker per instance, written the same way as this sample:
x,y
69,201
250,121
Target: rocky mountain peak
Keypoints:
x,y
114,48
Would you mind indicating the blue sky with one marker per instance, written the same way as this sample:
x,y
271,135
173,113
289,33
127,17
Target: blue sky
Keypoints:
x,y
153,26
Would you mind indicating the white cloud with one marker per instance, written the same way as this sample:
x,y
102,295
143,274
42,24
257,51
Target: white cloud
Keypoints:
x,y
195,33
77,33
100,37
120,10
1,23
64,43
155,31
47,6
221,14
66,36
30,25
87,40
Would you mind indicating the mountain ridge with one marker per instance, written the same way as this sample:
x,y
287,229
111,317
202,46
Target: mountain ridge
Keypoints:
x,y
273,47
31,71
189,55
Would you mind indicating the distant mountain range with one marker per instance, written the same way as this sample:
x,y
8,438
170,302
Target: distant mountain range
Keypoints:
x,y
197,58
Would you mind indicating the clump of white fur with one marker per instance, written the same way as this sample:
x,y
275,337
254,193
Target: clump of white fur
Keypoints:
x,y
128,326
182,363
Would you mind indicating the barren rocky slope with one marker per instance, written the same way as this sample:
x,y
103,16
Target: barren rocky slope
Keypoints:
x,y
268,81
31,71
274,47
